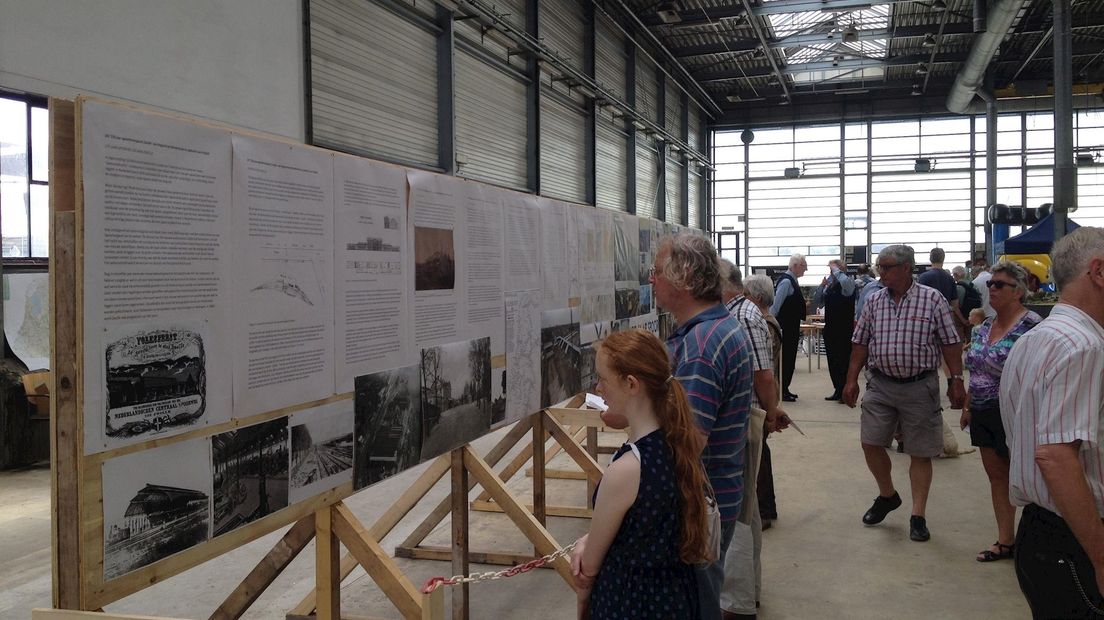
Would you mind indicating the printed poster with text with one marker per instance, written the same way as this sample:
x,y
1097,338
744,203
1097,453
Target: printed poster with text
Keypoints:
x,y
156,219
283,297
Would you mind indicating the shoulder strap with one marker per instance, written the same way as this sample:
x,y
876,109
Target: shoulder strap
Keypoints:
x,y
635,450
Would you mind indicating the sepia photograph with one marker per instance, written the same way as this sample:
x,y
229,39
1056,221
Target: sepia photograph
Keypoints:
x,y
251,474
388,424
434,259
456,395
627,302
156,381
155,503
561,356
321,449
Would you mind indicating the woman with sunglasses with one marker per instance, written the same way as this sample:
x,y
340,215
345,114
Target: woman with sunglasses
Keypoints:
x,y
985,357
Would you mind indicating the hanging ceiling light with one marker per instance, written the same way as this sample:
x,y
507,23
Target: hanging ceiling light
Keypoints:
x,y
916,91
850,34
922,69
929,40
939,6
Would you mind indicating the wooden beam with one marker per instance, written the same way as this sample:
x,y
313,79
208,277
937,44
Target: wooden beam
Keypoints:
x,y
442,553
526,522
573,449
327,567
592,450
576,417
66,445
519,461
575,512
433,605
69,614
459,496
560,474
266,571
539,462
380,567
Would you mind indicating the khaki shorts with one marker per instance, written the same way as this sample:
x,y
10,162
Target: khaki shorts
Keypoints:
x,y
914,405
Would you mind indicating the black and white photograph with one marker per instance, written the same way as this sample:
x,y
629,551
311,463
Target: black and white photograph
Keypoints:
x,y
588,367
498,396
649,240
456,395
388,424
321,449
627,302
667,325
251,474
434,259
645,299
626,237
155,503
156,381
561,356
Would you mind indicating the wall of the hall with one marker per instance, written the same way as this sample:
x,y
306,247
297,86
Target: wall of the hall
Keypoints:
x,y
237,62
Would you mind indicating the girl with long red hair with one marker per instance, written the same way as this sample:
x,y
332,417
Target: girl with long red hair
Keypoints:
x,y
649,524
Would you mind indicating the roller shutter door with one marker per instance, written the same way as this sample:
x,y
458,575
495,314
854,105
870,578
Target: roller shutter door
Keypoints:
x,y
647,177
610,58
673,109
561,28
362,101
646,88
563,149
490,123
694,139
695,198
674,192
612,167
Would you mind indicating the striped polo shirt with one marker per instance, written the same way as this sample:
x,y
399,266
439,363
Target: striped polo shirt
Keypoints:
x,y
1052,392
710,356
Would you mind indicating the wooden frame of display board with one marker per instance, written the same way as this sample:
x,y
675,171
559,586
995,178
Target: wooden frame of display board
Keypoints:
x,y
77,486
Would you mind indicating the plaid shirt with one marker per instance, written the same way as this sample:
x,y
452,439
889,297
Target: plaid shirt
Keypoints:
x,y
750,317
905,338
709,357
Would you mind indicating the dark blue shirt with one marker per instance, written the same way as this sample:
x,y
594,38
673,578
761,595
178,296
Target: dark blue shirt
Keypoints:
x,y
941,281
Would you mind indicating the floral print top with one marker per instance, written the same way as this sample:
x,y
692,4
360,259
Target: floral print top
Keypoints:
x,y
985,361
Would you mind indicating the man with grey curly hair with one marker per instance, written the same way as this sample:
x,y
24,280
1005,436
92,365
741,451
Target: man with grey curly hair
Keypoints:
x,y
1052,407
710,356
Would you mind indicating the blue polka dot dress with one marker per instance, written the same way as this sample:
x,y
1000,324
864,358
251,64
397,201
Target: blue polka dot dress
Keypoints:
x,y
642,576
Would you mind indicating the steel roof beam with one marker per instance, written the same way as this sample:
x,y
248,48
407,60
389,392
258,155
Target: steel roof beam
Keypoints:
x,y
846,64
804,40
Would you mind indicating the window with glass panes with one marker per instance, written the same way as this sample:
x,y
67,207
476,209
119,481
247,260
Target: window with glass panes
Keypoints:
x,y
24,178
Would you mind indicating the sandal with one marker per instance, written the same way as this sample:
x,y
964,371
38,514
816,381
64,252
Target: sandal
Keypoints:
x,y
1006,552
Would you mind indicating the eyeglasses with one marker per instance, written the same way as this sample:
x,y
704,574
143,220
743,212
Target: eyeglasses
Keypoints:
x,y
884,267
998,284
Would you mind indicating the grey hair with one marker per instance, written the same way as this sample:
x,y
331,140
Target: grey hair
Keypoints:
x,y
1015,271
732,281
796,258
901,253
1070,256
693,266
958,272
759,289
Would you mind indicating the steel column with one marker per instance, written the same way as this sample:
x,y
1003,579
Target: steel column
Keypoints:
x,y
1065,174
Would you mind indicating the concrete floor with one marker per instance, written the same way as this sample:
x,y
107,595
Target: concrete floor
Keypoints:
x,y
819,561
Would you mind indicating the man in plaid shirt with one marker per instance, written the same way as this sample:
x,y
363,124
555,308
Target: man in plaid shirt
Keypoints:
x,y
901,334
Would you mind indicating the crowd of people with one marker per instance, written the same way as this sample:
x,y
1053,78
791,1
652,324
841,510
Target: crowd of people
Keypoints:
x,y
676,532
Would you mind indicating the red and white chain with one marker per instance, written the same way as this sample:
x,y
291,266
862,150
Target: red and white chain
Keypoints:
x,y
436,582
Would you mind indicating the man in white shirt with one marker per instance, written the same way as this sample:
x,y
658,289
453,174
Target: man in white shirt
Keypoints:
x,y
983,289
1052,407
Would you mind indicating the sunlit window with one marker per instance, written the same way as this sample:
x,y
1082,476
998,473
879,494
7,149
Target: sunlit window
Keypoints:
x,y
24,177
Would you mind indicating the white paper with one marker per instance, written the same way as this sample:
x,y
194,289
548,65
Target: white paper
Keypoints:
x,y
157,245
321,449
626,266
523,355
523,242
372,330
283,291
483,265
155,503
436,262
554,242
596,258
27,317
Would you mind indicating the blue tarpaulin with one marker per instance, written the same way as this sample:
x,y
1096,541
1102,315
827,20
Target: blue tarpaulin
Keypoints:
x,y
1038,238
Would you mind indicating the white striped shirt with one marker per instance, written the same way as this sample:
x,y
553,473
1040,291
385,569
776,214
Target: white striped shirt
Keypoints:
x,y
762,355
1052,392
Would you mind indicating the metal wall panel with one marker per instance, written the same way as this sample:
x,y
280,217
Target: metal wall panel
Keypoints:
x,y
647,88
562,148
673,109
610,58
695,197
561,27
674,192
694,123
362,101
490,123
647,177
612,167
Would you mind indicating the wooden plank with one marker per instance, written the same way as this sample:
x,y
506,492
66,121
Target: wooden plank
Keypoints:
x,y
327,579
574,450
380,567
441,510
539,462
526,522
592,450
69,614
66,441
442,553
383,526
519,461
266,571
577,417
560,474
576,512
433,605
459,496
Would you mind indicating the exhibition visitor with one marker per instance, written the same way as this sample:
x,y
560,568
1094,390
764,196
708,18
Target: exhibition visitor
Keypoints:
x,y
790,309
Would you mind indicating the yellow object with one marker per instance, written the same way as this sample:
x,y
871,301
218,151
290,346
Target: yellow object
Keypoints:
x,y
1037,265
